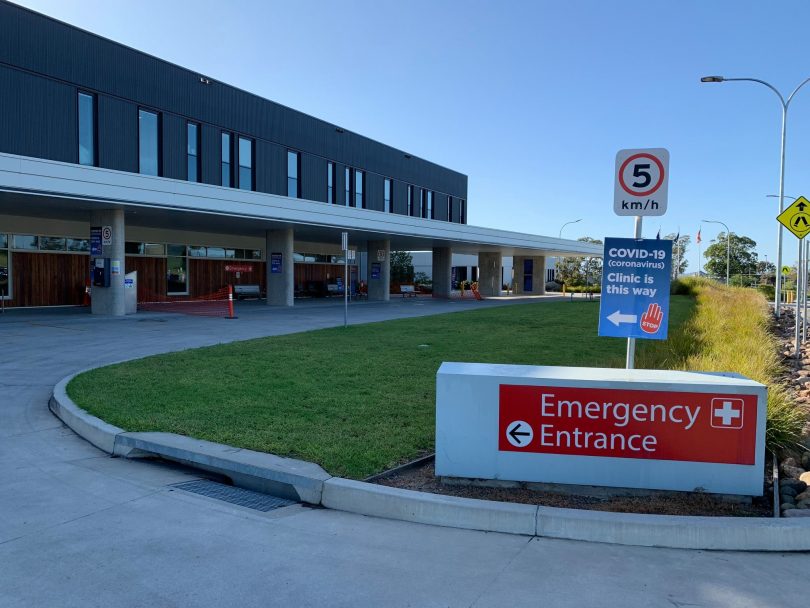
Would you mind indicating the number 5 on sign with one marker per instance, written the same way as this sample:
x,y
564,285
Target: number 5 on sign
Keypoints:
x,y
641,181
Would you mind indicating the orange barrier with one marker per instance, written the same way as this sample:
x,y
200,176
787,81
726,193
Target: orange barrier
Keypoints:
x,y
217,304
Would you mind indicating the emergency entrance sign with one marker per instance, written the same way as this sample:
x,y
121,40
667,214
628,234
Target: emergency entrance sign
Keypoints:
x,y
635,288
655,429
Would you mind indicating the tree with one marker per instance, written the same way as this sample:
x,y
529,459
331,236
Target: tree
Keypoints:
x,y
576,271
766,271
401,267
743,258
679,249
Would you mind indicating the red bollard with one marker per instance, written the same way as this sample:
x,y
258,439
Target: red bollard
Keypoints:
x,y
230,303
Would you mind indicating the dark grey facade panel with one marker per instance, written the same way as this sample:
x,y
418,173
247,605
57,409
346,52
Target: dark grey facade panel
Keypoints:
x,y
210,149
124,79
440,206
174,147
375,192
400,191
28,123
271,168
340,183
313,178
117,134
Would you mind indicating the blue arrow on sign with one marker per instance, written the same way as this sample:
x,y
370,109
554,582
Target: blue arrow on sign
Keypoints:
x,y
635,288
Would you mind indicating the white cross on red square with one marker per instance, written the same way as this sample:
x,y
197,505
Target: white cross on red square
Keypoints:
x,y
727,413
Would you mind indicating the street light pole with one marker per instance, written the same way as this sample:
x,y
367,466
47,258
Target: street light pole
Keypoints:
x,y
559,235
728,246
785,104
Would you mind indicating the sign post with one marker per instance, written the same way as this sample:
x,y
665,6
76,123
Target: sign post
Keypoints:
x,y
344,243
640,188
796,218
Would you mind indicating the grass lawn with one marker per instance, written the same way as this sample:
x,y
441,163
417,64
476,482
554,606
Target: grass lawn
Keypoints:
x,y
355,400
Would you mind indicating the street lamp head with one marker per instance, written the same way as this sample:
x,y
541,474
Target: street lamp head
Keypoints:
x,y
712,79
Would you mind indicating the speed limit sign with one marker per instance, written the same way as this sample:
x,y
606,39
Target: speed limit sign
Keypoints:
x,y
641,180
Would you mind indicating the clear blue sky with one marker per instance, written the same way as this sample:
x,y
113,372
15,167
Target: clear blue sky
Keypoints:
x,y
531,99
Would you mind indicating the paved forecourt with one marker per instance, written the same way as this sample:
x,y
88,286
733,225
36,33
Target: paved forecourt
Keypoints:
x,y
78,528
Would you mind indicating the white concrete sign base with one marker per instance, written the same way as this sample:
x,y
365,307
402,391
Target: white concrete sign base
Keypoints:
x,y
651,429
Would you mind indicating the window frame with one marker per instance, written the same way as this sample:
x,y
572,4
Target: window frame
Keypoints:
x,y
449,208
388,202
94,119
252,142
158,140
410,201
331,176
197,157
362,183
297,154
347,187
229,135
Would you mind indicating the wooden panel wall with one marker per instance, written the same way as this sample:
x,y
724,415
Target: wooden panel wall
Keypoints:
x,y
208,276
151,277
48,279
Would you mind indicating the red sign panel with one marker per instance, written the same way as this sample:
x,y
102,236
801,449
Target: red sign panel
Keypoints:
x,y
238,268
619,423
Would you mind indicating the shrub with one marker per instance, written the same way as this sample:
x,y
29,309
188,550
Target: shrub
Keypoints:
x,y
731,332
769,291
553,286
681,287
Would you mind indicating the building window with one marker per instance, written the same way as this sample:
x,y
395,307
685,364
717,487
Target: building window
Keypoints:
x,y
293,165
359,198
87,129
193,152
449,208
5,268
429,210
347,199
176,270
227,153
462,211
148,143
387,196
245,164
330,183
422,203
410,200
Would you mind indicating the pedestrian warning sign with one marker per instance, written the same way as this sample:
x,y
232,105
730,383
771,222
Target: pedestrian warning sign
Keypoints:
x,y
796,218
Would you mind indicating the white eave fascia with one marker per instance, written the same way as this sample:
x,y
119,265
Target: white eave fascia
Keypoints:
x,y
68,180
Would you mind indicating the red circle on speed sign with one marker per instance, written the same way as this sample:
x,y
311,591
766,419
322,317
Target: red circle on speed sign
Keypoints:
x,y
657,185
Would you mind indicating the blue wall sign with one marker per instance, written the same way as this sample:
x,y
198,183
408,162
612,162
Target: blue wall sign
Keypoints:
x,y
635,288
95,240
375,270
275,263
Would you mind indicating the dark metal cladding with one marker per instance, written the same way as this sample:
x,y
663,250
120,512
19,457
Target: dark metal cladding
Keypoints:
x,y
44,63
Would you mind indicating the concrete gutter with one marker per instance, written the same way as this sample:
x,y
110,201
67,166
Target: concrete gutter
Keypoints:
x,y
308,482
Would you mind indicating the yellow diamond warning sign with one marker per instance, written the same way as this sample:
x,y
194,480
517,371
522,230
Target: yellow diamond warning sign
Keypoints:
x,y
796,218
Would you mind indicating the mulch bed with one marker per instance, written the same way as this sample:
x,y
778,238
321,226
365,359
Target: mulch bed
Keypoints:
x,y
674,503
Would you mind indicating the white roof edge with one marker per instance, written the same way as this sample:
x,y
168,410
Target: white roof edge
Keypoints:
x,y
69,180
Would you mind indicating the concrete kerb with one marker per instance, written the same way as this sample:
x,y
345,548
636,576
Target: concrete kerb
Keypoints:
x,y
310,483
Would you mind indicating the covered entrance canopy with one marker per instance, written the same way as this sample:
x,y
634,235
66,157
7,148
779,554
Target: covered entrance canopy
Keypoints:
x,y
167,228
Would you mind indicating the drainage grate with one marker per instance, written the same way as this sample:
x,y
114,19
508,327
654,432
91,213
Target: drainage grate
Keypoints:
x,y
234,495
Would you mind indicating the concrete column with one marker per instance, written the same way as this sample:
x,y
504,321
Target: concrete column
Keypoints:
x,y
442,271
110,300
538,275
489,273
379,257
280,284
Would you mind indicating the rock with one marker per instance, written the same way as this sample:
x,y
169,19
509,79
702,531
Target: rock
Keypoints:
x,y
788,491
790,462
801,496
806,460
786,482
787,505
804,504
803,372
796,513
805,477
802,380
786,500
793,472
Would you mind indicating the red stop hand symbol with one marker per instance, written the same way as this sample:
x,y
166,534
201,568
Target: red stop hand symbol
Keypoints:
x,y
651,320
